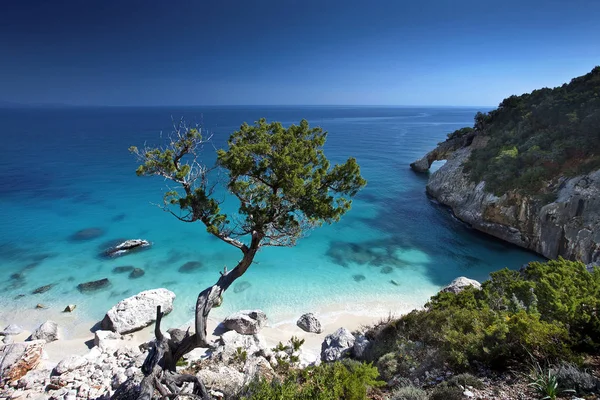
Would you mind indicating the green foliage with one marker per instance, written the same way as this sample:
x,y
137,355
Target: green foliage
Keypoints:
x,y
547,310
296,343
460,133
539,135
339,380
281,177
465,380
181,363
443,391
240,355
409,393
545,383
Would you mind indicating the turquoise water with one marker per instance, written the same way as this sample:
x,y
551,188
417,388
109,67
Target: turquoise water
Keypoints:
x,y
64,170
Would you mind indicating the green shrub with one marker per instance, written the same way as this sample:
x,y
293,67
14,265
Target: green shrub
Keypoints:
x,y
347,380
409,393
570,376
465,380
446,392
387,366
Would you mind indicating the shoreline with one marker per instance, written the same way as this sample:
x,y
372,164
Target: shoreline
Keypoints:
x,y
78,338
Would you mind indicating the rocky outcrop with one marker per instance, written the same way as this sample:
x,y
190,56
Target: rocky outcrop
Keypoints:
x,y
309,323
568,227
442,151
126,247
19,358
460,284
337,345
246,322
137,312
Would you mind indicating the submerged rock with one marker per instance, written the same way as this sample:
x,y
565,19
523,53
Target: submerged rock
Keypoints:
x,y
358,277
246,322
48,331
122,269
386,270
43,289
136,273
337,345
190,266
241,286
93,286
137,312
126,247
460,284
309,323
86,234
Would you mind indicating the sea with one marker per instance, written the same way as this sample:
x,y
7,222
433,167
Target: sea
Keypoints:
x,y
68,191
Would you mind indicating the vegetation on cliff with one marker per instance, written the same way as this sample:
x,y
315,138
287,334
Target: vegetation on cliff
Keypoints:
x,y
538,136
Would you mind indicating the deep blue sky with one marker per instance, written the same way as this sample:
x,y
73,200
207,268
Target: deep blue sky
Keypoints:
x,y
375,52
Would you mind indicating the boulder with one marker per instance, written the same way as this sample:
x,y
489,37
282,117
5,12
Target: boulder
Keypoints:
x,y
231,341
360,346
258,367
70,308
92,286
460,284
309,323
337,345
17,359
47,331
246,322
222,378
43,289
34,378
137,312
11,329
126,247
70,363
136,273
107,341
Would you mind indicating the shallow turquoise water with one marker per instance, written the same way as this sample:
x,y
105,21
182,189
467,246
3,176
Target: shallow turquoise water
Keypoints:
x,y
64,170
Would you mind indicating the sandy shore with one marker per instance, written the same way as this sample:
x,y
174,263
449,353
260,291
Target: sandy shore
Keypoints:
x,y
76,335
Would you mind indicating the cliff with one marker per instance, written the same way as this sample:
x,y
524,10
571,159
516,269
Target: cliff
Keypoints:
x,y
568,226
528,172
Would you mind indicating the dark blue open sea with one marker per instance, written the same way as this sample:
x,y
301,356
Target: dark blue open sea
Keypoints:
x,y
67,169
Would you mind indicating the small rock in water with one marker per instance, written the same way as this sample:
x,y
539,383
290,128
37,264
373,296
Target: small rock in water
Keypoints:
x,y
70,308
241,286
126,247
43,289
93,285
119,218
358,277
40,306
21,295
386,270
122,269
86,234
136,273
190,266
394,282
17,276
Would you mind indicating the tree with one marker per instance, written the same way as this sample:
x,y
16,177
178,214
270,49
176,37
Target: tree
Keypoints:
x,y
285,186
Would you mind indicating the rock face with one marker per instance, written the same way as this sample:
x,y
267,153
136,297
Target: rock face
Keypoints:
x,y
460,284
337,345
137,312
246,322
19,358
48,331
568,227
309,323
231,341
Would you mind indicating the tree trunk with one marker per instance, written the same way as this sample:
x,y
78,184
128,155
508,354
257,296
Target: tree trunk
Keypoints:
x,y
159,368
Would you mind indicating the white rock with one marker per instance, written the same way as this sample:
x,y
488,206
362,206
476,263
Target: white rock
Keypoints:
x,y
360,345
48,331
468,393
246,322
222,378
137,312
337,345
70,363
460,284
309,323
17,359
107,341
11,329
231,341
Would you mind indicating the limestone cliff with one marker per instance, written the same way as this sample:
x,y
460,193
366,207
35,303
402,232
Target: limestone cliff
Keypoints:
x,y
568,227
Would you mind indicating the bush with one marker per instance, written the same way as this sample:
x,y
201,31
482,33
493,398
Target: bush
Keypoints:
x,y
570,376
409,393
465,380
387,366
446,392
347,380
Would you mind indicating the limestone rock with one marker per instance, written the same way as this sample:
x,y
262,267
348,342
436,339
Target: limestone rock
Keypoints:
x,y
48,331
460,284
137,312
126,247
337,345
258,367
70,308
17,359
11,329
34,378
360,346
107,341
231,341
309,323
246,322
70,363
223,378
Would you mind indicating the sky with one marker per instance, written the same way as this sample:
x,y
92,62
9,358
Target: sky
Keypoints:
x,y
288,52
